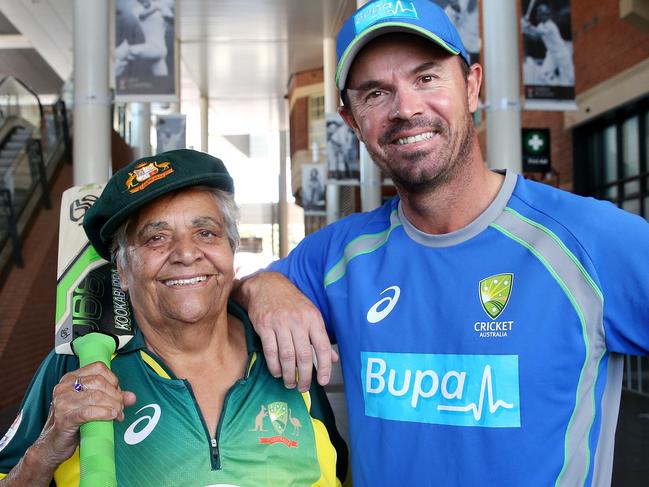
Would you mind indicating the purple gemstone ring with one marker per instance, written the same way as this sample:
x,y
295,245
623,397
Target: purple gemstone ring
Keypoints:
x,y
78,385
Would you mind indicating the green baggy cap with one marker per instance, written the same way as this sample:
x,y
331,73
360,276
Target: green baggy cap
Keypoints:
x,y
144,180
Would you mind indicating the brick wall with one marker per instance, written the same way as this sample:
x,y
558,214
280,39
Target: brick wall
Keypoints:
x,y
604,44
299,126
299,115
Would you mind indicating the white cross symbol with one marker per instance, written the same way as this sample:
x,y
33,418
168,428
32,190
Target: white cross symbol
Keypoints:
x,y
535,142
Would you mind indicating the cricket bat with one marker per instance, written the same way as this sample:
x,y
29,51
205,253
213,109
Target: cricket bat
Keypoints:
x,y
93,320
530,6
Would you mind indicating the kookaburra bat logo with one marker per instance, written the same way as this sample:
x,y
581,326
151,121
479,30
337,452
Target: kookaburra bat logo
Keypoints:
x,y
78,208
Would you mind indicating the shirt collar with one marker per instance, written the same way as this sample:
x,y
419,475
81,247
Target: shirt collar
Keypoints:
x,y
253,343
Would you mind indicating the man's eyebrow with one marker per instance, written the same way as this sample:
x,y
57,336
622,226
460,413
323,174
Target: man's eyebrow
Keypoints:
x,y
373,83
425,67
367,85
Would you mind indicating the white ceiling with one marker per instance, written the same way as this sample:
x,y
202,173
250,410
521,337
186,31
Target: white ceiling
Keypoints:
x,y
239,53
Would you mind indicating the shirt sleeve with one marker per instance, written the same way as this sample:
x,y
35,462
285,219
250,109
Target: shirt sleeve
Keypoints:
x,y
33,410
620,252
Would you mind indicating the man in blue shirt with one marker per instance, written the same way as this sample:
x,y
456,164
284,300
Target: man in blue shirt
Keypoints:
x,y
481,318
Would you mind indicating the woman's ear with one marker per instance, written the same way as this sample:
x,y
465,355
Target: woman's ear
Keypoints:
x,y
123,278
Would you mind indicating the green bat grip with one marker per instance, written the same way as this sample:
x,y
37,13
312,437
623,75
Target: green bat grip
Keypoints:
x,y
97,444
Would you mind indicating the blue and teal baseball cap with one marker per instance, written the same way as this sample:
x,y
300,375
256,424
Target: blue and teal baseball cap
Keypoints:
x,y
421,17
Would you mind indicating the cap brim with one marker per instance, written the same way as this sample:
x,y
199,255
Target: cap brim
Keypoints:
x,y
375,31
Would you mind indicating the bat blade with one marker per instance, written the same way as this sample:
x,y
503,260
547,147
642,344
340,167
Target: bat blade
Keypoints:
x,y
93,319
88,294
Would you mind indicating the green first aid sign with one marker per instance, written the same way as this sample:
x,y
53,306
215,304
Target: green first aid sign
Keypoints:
x,y
536,150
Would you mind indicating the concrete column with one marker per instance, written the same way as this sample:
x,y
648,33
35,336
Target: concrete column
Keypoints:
x,y
283,204
370,172
141,129
503,88
92,154
331,102
205,129
370,181
174,107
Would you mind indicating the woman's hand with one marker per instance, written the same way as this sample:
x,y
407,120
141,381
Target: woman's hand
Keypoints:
x,y
87,394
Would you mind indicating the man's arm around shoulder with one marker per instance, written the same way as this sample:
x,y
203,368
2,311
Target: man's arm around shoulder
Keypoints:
x,y
289,325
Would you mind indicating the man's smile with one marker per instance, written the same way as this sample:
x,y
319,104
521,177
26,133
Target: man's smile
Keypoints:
x,y
414,138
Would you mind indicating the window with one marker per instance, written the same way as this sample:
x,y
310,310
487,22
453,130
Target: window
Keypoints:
x,y
611,157
611,163
317,139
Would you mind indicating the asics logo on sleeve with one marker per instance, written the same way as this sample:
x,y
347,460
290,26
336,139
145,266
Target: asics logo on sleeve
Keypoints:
x,y
133,437
384,306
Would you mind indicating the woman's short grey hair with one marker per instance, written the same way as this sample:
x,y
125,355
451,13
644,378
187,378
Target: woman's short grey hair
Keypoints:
x,y
224,201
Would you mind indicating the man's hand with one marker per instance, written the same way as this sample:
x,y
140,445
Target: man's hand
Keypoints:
x,y
289,326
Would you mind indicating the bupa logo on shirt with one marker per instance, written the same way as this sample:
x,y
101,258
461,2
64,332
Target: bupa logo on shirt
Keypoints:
x,y
449,389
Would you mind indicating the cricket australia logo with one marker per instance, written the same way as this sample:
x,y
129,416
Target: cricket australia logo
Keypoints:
x,y
280,416
146,173
494,292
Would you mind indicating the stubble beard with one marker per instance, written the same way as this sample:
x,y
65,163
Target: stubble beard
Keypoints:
x,y
447,161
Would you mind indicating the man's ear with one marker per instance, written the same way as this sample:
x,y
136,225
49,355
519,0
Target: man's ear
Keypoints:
x,y
348,117
473,83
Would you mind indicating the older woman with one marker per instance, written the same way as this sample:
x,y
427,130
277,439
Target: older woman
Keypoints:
x,y
193,399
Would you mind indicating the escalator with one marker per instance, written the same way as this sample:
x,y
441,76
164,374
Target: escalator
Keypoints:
x,y
33,141
11,148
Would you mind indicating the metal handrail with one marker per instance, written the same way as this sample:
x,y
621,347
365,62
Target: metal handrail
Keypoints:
x,y
4,79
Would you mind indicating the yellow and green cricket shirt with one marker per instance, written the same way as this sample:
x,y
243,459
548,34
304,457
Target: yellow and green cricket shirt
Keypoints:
x,y
267,435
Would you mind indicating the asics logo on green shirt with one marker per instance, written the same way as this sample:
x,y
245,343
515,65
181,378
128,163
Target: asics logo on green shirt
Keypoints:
x,y
133,437
374,315
11,432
